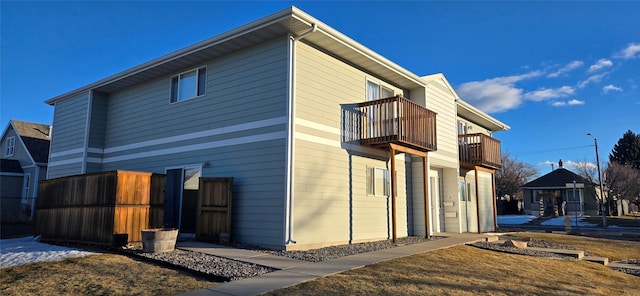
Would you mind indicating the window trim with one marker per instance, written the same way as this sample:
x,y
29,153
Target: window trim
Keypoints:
x,y
12,147
26,188
200,85
381,87
371,191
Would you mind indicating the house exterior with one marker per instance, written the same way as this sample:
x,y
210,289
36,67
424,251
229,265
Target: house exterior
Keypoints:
x,y
308,122
560,192
25,152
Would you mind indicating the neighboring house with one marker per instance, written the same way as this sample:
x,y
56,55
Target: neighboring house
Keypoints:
x,y
546,195
25,152
307,121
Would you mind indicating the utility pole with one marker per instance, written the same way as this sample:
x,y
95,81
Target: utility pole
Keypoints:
x,y
604,208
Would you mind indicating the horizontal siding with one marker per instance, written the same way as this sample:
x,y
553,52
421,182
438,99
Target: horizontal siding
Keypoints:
x,y
330,201
441,100
98,120
258,170
63,170
244,90
69,130
246,86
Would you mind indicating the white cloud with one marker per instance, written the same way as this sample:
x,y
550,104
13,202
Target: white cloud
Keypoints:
x,y
600,64
631,51
495,94
549,93
581,164
611,87
592,79
569,67
548,163
573,102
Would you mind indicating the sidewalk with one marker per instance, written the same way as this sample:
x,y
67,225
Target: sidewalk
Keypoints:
x,y
292,272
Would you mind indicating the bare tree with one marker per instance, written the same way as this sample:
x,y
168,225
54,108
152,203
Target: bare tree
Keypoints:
x,y
513,175
623,182
587,170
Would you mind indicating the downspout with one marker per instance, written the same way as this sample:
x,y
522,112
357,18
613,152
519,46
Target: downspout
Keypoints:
x,y
291,134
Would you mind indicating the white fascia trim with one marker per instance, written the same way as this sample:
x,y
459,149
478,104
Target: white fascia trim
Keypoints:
x,y
356,46
201,134
202,146
235,33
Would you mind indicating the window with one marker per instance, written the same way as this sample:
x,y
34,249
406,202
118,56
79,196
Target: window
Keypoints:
x,y
462,186
378,181
9,146
376,91
25,188
189,85
462,128
574,198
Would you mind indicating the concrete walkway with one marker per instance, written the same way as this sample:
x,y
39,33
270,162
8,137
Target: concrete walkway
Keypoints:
x,y
292,272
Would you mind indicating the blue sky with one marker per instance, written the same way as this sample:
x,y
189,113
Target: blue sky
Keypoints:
x,y
553,71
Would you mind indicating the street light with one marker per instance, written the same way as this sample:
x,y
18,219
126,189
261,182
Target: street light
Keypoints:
x,y
604,212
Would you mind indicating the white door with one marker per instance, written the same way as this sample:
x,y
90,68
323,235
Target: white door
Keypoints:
x,y
437,202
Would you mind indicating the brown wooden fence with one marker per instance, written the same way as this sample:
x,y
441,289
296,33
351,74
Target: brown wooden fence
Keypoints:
x,y
213,215
109,208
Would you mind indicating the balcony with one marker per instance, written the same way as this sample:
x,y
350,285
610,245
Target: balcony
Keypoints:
x,y
479,150
394,120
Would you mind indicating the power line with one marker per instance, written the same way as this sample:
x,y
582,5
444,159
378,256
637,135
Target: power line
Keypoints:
x,y
553,150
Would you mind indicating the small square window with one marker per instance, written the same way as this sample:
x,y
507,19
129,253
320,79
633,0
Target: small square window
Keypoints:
x,y
9,146
378,181
189,85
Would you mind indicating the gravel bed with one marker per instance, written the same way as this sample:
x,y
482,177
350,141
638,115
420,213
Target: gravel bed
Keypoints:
x,y
531,243
529,252
630,271
334,252
227,269
218,267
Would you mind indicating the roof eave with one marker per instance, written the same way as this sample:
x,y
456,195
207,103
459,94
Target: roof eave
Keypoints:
x,y
370,60
494,124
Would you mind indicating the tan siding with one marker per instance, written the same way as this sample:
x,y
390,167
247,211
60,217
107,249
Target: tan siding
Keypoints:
x,y
331,205
442,101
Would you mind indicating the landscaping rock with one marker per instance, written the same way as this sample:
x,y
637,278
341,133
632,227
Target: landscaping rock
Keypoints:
x,y
515,244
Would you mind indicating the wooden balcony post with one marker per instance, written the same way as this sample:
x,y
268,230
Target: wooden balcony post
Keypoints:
x,y
393,191
425,187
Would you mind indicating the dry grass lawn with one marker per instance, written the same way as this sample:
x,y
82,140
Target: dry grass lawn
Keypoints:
x,y
466,270
613,249
105,274
622,221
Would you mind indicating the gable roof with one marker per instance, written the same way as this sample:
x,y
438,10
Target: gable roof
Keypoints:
x,y
558,178
291,21
10,166
35,137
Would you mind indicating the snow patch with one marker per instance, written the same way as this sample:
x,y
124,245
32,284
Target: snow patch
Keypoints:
x,y
25,250
514,219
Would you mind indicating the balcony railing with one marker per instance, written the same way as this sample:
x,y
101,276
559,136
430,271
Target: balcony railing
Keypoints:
x,y
394,120
479,150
